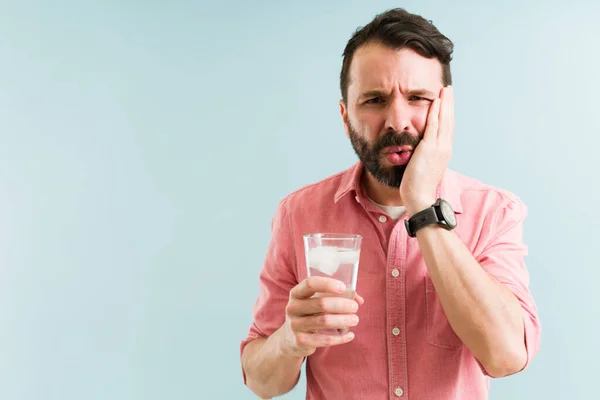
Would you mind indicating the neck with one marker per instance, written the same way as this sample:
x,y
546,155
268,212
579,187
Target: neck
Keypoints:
x,y
379,192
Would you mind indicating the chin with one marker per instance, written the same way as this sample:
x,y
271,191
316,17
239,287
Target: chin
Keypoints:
x,y
390,176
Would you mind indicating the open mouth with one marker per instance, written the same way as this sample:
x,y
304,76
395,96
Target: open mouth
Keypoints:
x,y
398,155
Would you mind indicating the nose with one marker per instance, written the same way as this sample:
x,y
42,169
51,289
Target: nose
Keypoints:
x,y
398,118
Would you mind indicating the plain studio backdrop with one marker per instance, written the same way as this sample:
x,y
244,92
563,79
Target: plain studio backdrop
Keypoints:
x,y
144,147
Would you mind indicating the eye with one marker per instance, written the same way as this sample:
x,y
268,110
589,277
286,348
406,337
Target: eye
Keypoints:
x,y
418,98
374,100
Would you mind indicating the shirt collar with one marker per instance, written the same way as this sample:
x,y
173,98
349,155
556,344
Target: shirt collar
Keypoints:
x,y
449,188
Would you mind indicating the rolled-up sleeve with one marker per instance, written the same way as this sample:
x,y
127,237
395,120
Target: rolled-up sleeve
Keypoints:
x,y
503,258
277,277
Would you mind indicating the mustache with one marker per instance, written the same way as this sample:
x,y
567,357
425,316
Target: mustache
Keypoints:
x,y
396,139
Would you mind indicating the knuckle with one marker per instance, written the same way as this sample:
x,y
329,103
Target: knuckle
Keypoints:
x,y
301,339
295,324
321,303
290,308
326,340
330,340
323,319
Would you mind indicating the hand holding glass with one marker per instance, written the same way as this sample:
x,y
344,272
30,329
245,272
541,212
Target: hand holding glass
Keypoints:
x,y
336,256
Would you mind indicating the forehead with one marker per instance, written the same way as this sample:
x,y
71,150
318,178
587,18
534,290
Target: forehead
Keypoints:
x,y
375,66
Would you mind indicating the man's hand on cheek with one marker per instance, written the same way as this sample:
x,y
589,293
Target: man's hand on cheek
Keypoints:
x,y
427,164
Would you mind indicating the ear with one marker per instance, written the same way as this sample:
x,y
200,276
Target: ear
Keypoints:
x,y
344,113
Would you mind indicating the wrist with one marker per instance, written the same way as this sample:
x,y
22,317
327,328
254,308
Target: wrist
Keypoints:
x,y
418,205
285,348
281,344
439,214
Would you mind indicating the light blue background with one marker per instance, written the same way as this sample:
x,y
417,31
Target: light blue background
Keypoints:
x,y
144,147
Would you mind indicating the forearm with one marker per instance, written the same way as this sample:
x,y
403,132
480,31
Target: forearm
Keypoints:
x,y
485,315
270,372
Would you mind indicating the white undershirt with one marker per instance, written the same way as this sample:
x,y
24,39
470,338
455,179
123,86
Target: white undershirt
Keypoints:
x,y
394,212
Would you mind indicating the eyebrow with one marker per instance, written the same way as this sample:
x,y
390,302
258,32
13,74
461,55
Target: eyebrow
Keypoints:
x,y
412,92
421,92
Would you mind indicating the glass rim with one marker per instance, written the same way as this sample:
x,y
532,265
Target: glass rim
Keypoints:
x,y
332,236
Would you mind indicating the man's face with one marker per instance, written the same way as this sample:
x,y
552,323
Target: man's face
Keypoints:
x,y
388,100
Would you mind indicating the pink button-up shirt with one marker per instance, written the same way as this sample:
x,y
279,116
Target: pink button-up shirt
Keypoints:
x,y
404,347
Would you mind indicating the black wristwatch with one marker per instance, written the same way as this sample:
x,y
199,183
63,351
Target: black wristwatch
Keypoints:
x,y
440,213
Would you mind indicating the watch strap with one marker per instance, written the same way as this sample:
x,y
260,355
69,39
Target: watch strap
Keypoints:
x,y
421,219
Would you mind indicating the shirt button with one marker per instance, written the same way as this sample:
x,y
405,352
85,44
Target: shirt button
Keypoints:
x,y
399,392
396,331
395,272
382,218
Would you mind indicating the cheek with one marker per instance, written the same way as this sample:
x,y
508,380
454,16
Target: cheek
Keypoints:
x,y
420,119
370,125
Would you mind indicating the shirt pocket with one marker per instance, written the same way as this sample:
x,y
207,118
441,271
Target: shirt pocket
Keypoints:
x,y
439,331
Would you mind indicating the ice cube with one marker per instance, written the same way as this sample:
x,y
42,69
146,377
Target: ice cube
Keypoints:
x,y
325,259
348,256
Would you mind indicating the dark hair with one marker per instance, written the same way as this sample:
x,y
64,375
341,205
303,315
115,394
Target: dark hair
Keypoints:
x,y
398,29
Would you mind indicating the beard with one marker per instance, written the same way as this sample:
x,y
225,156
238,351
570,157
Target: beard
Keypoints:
x,y
370,154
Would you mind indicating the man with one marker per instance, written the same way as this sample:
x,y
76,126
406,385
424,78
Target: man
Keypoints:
x,y
444,302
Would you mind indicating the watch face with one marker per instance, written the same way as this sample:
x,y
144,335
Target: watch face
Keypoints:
x,y
448,213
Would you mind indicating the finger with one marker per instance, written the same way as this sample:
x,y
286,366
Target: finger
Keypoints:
x,y
321,340
323,321
320,305
359,299
317,284
432,121
446,118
